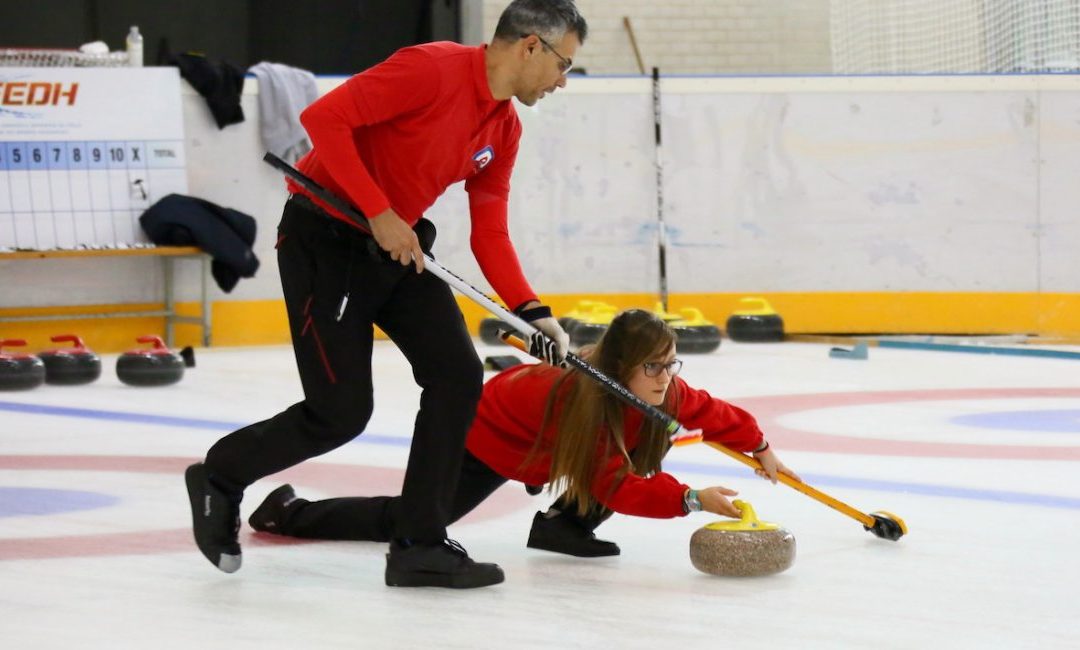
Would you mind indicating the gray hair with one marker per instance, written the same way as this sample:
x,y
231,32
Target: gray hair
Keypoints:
x,y
550,19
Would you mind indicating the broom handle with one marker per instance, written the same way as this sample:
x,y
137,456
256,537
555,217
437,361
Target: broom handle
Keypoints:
x,y
813,493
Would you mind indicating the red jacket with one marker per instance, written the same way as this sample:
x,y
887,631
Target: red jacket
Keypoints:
x,y
398,134
512,408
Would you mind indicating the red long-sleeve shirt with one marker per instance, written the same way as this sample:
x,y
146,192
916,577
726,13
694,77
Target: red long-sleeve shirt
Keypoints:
x,y
512,409
398,134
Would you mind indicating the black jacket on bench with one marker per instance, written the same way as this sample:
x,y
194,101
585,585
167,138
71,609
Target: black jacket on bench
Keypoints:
x,y
226,234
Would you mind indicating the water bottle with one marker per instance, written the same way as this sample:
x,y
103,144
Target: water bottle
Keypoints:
x,y
135,48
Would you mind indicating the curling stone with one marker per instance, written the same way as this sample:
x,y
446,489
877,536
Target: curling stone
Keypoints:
x,y
591,322
694,334
498,363
756,322
570,320
489,331
748,547
19,370
156,366
70,366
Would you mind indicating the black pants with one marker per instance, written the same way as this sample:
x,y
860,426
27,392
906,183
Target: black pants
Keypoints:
x,y
374,519
321,260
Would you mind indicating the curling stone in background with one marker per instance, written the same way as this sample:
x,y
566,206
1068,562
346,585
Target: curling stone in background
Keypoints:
x,y
19,370
581,310
694,334
755,322
594,315
591,322
156,366
748,547
489,331
70,366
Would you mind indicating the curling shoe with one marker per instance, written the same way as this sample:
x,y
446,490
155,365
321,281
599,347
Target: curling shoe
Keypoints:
x,y
269,517
215,517
563,533
443,564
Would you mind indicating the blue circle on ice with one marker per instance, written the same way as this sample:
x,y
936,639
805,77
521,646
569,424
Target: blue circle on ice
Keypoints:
x,y
20,501
1053,420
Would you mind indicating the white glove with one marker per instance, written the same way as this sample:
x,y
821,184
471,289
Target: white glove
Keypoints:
x,y
551,343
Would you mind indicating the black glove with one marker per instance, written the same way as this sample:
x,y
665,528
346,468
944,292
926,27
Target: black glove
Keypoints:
x,y
550,343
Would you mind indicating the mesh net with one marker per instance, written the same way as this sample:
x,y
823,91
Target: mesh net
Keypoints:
x,y
37,58
955,36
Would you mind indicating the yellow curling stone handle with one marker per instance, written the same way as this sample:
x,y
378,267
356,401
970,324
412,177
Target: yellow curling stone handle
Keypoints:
x,y
749,521
754,306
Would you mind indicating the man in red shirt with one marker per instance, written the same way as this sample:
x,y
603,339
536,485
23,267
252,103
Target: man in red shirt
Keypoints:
x,y
390,140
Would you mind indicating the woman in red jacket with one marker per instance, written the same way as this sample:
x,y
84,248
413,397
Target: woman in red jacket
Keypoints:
x,y
540,424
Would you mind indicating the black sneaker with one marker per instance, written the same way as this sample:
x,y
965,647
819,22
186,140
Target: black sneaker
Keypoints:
x,y
445,564
269,517
215,519
563,534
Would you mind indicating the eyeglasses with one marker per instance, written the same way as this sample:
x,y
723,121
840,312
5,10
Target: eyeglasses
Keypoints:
x,y
653,368
564,63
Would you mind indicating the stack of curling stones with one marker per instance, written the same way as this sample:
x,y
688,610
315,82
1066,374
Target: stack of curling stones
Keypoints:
x,y
155,366
70,366
755,322
744,548
19,370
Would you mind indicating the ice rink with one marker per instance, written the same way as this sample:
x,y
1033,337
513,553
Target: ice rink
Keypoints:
x,y
978,454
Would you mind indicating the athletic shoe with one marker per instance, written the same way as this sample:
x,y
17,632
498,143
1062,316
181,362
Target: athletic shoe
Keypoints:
x,y
563,533
270,515
215,517
444,564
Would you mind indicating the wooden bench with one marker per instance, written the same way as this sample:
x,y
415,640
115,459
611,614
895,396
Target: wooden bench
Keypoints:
x,y
168,255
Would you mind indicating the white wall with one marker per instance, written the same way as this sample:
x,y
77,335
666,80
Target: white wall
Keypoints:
x,y
778,184
700,36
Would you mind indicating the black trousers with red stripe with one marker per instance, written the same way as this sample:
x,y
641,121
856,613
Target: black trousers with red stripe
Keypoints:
x,y
321,260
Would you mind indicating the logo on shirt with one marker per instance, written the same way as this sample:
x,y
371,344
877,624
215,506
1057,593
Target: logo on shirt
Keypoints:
x,y
482,158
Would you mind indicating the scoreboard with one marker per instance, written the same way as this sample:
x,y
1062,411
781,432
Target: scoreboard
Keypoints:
x,y
84,151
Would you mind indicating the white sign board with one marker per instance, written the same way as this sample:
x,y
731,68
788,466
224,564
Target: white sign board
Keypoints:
x,y
84,151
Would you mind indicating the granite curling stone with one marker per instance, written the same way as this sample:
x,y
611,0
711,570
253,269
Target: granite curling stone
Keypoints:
x,y
70,366
19,370
748,547
156,366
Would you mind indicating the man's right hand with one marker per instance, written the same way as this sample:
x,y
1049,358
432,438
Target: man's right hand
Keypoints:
x,y
396,237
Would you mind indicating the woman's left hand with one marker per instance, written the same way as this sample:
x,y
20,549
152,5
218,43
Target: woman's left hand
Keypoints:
x,y
770,465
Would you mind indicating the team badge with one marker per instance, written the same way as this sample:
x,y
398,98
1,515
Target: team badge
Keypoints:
x,y
482,158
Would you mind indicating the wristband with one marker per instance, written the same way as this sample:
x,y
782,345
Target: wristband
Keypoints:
x,y
691,502
535,313
763,447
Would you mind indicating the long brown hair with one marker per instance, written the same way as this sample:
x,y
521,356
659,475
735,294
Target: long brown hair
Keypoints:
x,y
589,426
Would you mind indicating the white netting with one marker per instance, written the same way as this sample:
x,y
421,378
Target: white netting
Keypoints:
x,y
37,58
951,36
